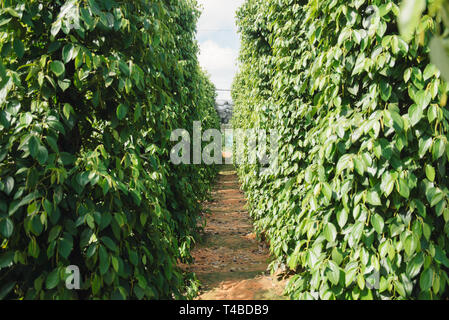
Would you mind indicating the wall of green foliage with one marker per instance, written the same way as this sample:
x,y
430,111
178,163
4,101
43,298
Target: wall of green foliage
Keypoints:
x,y
89,94
361,184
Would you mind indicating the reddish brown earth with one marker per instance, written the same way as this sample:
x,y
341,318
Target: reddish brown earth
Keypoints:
x,y
229,261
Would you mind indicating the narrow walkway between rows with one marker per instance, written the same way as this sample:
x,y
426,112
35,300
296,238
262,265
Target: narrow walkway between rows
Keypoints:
x,y
230,263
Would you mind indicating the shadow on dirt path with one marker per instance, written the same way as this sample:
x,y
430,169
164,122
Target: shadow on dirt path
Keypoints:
x,y
229,262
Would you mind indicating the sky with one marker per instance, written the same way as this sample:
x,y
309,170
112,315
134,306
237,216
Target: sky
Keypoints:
x,y
219,41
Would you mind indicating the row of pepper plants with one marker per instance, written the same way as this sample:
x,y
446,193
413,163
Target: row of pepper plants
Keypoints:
x,y
90,91
357,207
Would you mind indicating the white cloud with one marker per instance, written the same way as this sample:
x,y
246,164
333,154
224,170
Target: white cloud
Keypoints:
x,y
220,63
218,14
219,43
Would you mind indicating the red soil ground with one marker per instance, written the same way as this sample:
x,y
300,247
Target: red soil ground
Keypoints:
x,y
229,261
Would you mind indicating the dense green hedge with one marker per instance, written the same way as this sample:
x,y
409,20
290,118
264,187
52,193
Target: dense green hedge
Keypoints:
x,y
89,94
361,184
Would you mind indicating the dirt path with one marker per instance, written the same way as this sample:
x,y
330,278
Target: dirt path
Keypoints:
x,y
230,263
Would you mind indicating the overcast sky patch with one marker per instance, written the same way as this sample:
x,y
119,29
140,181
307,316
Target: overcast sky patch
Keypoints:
x,y
219,41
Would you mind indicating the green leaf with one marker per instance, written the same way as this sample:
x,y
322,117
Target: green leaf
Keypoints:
x,y
334,273
6,289
65,246
119,294
387,184
378,223
52,279
6,259
133,257
122,111
415,265
359,166
54,233
42,155
407,74
96,284
426,280
415,114
17,204
432,113
19,48
424,146
36,225
342,217
427,231
109,243
385,90
104,260
33,248
48,207
403,188
410,244
68,53
67,110
4,21
3,76
350,274
57,67
430,71
400,288
437,198
327,191
124,68
6,227
361,281
33,146
430,173
440,256
398,122
52,143
9,185
64,84
373,198
438,149
56,27
115,263
330,232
